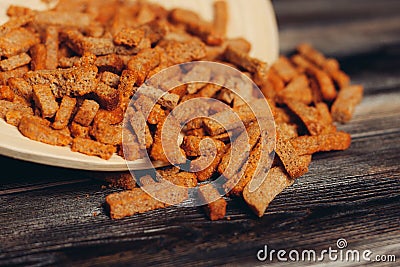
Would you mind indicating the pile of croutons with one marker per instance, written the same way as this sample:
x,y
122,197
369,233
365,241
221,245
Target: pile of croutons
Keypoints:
x,y
68,76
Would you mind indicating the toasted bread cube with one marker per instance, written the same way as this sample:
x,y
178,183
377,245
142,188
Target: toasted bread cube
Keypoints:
x,y
92,148
45,100
15,62
21,88
204,174
309,115
256,160
87,112
15,22
6,93
62,19
64,113
317,58
155,30
107,134
344,106
230,119
39,57
144,104
126,85
196,25
110,79
68,62
106,96
216,205
243,60
184,179
112,117
81,44
298,89
6,106
17,11
17,41
51,43
42,133
129,37
143,63
181,52
324,81
220,22
296,165
326,118
120,180
285,69
15,73
134,201
140,128
169,145
275,182
75,81
165,99
131,149
13,117
307,145
78,130
112,63
326,85
237,154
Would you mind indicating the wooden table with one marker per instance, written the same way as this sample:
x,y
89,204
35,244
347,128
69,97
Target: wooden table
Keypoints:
x,y
47,214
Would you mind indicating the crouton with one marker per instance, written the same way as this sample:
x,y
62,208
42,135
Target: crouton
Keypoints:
x,y
86,113
64,113
42,133
15,62
45,100
344,106
17,41
275,182
92,148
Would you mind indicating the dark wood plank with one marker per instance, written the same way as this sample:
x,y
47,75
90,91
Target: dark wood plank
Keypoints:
x,y
330,202
48,213
339,28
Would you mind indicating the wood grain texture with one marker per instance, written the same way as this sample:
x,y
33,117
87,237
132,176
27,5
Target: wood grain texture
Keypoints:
x,y
47,213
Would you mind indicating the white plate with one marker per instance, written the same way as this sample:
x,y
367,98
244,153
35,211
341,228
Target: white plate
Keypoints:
x,y
251,19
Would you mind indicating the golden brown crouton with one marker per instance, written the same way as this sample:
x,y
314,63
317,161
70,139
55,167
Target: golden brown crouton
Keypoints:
x,y
92,148
64,113
42,133
86,113
45,100
275,182
348,98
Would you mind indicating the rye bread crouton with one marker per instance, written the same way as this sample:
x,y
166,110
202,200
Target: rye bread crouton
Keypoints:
x,y
78,130
45,100
216,205
42,133
107,134
51,42
344,106
75,81
6,106
39,57
106,96
15,62
15,73
92,148
86,112
17,41
64,113
6,93
276,181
